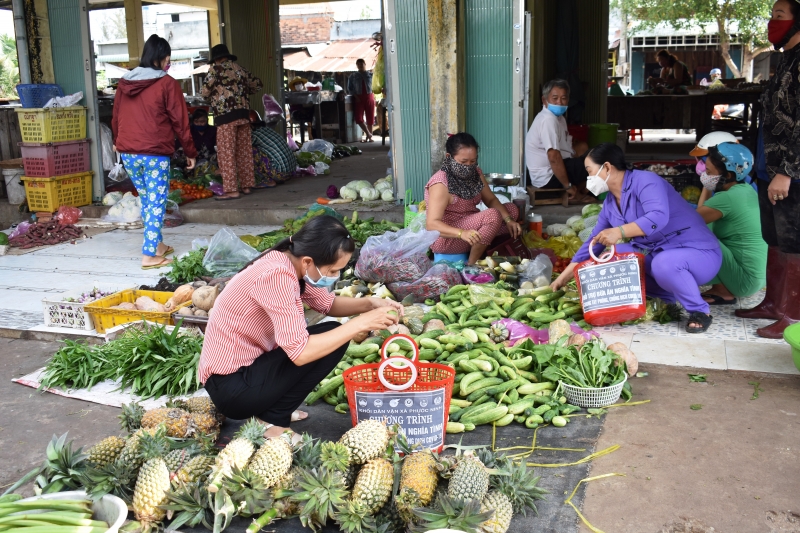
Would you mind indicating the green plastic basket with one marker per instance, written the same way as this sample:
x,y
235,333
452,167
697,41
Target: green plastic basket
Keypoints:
x,y
409,214
792,336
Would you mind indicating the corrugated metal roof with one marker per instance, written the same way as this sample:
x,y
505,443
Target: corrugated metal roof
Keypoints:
x,y
124,58
339,56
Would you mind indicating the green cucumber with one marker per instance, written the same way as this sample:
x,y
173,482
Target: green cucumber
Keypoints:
x,y
469,335
506,420
547,298
533,388
468,366
460,403
468,380
480,384
559,421
329,387
362,350
490,415
520,406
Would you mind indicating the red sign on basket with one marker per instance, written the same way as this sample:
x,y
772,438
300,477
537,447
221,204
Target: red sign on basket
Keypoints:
x,y
403,391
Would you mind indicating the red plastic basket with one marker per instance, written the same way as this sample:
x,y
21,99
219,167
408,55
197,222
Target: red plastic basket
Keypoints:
x,y
45,160
398,389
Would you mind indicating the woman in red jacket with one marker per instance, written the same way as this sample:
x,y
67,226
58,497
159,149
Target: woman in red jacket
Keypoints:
x,y
149,112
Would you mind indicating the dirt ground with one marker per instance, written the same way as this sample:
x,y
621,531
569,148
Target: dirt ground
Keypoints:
x,y
730,467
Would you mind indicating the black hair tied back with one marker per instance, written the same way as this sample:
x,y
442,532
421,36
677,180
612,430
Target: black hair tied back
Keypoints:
x,y
324,239
609,153
458,141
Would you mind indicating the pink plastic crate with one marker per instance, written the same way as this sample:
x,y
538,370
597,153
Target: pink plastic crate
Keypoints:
x,y
45,160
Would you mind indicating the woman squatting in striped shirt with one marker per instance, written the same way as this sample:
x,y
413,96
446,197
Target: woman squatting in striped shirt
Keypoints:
x,y
259,358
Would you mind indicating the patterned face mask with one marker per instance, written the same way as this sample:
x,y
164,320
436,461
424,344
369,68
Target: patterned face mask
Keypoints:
x,y
463,181
709,182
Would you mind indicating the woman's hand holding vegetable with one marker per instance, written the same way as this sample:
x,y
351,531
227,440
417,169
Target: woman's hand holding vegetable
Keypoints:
x,y
779,188
564,277
378,303
377,319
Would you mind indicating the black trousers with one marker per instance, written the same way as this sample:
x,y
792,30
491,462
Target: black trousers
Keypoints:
x,y
576,173
780,223
273,386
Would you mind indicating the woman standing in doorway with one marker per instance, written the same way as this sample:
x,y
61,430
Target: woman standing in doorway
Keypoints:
x,y
149,112
359,84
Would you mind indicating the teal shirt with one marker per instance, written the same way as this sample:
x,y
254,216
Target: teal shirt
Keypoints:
x,y
740,228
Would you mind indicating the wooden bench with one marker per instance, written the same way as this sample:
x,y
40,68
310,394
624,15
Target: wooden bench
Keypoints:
x,y
561,198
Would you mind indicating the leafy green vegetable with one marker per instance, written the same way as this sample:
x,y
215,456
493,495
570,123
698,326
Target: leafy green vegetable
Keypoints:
x,y
696,406
188,267
697,378
587,366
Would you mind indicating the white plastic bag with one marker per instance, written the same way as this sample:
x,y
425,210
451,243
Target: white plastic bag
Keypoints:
x,y
322,168
112,198
118,173
318,145
107,145
227,254
65,101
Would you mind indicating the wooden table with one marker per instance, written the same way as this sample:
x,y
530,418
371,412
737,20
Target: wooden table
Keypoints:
x,y
680,112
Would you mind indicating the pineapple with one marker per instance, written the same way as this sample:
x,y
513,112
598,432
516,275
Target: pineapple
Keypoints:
x,y
320,494
503,512
237,453
178,422
418,480
106,451
335,457
115,478
520,486
354,517
306,457
187,505
130,453
449,513
205,423
152,484
196,469
250,495
470,479
272,461
388,520
131,417
203,405
373,486
177,459
366,441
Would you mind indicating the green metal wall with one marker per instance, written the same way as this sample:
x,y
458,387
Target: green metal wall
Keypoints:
x,y
489,77
65,39
411,21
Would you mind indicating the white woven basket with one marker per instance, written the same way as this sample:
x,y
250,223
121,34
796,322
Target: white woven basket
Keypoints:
x,y
593,397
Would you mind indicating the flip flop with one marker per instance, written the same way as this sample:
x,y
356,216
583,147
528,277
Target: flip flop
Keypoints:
x,y
170,250
698,318
226,198
164,262
246,193
296,416
716,299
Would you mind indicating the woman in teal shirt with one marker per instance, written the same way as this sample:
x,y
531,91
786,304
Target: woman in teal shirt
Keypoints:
x,y
733,216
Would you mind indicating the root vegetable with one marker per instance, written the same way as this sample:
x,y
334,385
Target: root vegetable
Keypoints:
x,y
125,305
182,294
576,340
631,363
434,324
204,297
198,284
361,337
143,303
557,329
200,312
186,311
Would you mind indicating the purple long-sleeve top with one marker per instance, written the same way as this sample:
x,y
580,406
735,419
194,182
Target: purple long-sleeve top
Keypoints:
x,y
667,220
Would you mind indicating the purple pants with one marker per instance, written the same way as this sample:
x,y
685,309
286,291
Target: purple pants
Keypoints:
x,y
676,274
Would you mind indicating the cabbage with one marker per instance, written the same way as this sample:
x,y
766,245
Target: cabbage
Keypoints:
x,y
348,193
112,198
571,220
578,225
591,221
585,234
357,185
591,209
383,186
556,230
387,195
368,193
568,233
115,211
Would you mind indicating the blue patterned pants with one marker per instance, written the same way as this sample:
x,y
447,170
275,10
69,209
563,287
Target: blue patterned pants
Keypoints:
x,y
150,176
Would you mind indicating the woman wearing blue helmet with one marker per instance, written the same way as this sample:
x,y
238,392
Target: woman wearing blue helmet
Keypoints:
x,y
734,218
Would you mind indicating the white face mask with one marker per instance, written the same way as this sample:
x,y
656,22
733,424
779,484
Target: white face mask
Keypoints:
x,y
596,184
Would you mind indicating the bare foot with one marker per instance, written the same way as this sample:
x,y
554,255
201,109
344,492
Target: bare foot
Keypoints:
x,y
155,262
274,431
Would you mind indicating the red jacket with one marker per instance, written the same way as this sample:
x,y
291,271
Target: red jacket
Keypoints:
x,y
148,115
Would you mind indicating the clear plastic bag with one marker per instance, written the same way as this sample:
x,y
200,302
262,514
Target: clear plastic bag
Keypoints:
x,y
227,254
322,168
118,172
395,256
107,145
486,293
318,145
173,217
539,271
68,215
433,284
271,106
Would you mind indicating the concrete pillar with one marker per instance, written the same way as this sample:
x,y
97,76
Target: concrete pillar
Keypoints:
x,y
213,28
134,23
445,97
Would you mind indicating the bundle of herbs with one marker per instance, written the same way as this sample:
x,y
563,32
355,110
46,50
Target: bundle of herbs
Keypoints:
x,y
149,361
189,267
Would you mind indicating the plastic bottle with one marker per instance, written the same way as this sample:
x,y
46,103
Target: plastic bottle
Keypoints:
x,y
535,223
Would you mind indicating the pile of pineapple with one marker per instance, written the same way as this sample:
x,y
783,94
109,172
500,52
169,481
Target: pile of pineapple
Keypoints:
x,y
169,471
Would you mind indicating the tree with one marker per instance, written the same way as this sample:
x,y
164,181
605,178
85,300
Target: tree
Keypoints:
x,y
744,18
114,26
9,66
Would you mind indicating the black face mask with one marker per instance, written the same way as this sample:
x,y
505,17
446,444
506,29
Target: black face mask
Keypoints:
x,y
200,129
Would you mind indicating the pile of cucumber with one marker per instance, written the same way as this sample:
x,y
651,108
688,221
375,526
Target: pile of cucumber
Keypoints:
x,y
494,383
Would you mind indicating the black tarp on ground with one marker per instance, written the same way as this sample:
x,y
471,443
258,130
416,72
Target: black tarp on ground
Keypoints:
x,y
554,515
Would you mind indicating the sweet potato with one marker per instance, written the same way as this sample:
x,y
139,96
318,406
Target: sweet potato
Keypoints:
x,y
434,324
204,297
143,303
182,294
125,305
186,311
631,363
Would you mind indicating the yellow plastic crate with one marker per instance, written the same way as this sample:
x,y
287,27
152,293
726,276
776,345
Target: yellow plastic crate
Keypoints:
x,y
105,318
48,194
52,125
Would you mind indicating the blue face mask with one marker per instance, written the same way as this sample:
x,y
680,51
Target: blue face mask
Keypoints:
x,y
557,110
324,282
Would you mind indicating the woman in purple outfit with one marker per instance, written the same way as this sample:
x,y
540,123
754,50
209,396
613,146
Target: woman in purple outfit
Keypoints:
x,y
681,253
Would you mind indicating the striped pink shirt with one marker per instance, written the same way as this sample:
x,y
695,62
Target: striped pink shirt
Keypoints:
x,y
260,309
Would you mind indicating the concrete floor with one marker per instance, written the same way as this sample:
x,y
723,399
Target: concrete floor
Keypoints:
x,y
732,465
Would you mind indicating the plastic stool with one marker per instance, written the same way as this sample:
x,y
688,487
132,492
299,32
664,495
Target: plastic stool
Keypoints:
x,y
451,258
634,133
